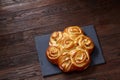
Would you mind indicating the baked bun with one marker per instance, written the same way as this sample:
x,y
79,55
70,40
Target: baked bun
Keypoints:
x,y
70,49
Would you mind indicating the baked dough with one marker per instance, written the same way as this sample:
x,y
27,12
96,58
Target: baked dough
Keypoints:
x,y
70,49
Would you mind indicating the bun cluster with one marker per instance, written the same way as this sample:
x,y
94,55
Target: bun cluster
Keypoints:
x,y
70,49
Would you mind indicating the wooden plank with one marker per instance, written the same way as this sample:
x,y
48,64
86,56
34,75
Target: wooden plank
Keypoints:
x,y
21,73
104,29
14,22
15,2
17,49
19,60
21,37
11,2
39,17
27,5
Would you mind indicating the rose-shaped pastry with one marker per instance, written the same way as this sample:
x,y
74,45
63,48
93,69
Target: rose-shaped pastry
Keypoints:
x,y
70,49
65,62
67,43
85,43
73,32
53,54
80,59
55,38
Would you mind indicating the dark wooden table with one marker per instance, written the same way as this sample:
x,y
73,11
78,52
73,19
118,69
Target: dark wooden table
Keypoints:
x,y
22,20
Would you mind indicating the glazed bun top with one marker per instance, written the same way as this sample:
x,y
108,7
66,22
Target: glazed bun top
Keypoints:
x,y
70,49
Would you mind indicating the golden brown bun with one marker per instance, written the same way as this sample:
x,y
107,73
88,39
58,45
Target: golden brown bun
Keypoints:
x,y
70,49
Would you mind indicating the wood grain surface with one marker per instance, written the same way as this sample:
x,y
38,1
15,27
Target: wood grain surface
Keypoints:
x,y
22,20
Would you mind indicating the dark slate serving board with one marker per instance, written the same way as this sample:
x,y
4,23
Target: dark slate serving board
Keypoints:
x,y
50,69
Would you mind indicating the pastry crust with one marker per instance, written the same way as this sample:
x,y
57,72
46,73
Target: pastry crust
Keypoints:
x,y
70,49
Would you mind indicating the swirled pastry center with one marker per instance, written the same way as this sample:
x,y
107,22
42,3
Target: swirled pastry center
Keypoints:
x,y
70,49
